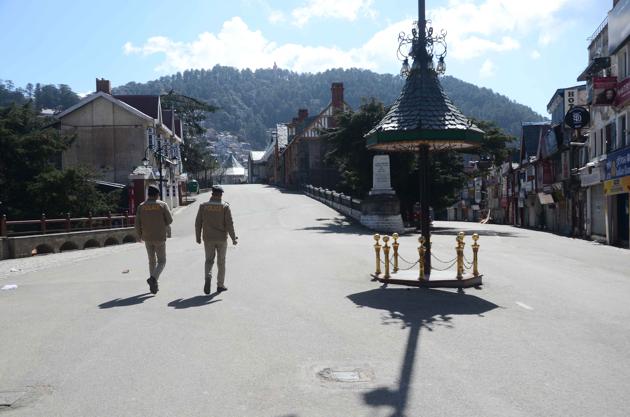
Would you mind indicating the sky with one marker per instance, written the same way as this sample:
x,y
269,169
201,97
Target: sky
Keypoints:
x,y
522,49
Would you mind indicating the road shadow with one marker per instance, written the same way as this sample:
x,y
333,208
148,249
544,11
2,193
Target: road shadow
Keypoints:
x,y
414,309
126,302
344,225
469,232
197,301
284,190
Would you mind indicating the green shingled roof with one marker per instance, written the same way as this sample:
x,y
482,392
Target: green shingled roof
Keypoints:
x,y
423,115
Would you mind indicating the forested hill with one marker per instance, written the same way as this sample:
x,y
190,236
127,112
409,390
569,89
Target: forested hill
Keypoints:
x,y
252,101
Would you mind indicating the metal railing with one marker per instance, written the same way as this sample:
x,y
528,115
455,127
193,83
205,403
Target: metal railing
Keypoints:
x,y
43,225
334,197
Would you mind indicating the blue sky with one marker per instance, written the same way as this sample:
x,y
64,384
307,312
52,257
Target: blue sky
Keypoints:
x,y
522,49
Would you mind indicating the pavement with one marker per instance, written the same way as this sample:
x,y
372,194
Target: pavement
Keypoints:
x,y
303,331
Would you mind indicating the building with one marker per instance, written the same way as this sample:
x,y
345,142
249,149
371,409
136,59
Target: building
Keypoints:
x,y
256,167
230,172
304,156
605,174
125,140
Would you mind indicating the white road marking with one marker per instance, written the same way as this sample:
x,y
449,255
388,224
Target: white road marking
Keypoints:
x,y
525,306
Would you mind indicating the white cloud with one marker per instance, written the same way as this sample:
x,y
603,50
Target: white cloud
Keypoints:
x,y
238,46
487,69
476,28
276,16
128,48
336,9
535,55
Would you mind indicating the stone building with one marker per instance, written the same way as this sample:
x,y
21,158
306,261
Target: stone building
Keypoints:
x,y
116,135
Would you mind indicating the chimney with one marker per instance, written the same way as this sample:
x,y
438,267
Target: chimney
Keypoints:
x,y
103,85
302,114
337,95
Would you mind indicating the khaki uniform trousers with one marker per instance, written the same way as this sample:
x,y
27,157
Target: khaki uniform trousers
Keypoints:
x,y
157,257
218,248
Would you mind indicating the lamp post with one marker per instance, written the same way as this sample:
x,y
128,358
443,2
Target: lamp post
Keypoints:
x,y
159,155
423,118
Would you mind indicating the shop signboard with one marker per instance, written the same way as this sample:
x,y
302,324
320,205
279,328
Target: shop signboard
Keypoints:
x,y
577,118
591,176
604,91
623,93
617,186
618,164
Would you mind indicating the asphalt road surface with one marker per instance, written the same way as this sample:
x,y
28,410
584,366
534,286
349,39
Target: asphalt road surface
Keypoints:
x,y
303,331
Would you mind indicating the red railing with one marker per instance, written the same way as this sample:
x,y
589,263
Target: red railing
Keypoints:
x,y
68,224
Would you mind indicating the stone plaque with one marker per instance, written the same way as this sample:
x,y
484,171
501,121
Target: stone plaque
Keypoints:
x,y
381,180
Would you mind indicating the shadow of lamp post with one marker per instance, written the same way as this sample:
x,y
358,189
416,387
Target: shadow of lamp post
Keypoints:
x,y
423,118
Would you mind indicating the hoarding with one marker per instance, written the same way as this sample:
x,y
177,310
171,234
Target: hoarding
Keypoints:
x,y
604,91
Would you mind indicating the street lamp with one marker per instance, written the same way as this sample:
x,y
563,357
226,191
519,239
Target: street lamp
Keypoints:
x,y
158,154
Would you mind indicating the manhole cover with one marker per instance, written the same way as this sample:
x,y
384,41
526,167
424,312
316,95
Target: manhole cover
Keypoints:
x,y
346,375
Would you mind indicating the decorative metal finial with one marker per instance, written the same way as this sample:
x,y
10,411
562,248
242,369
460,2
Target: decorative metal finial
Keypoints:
x,y
422,49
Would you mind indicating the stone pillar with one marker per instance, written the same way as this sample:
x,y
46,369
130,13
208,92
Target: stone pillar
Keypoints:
x,y
380,210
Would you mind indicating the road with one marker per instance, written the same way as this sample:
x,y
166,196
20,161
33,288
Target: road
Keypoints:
x,y
303,331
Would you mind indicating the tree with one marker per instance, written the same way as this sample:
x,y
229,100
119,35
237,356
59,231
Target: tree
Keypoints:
x,y
192,113
494,145
30,179
354,162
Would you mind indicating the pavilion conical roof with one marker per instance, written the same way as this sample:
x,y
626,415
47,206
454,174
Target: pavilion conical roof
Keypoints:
x,y
423,115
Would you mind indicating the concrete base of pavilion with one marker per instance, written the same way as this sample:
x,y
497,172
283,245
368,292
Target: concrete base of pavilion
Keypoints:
x,y
438,279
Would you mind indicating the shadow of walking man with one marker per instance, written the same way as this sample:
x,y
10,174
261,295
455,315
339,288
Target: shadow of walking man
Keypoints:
x,y
126,302
197,301
414,309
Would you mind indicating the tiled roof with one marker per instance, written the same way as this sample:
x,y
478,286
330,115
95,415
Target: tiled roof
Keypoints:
x,y
301,127
147,104
424,106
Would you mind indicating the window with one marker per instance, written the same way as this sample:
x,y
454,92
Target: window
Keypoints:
x,y
623,64
594,144
611,137
623,132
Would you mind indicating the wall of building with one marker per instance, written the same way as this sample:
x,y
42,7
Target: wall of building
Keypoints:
x,y
109,140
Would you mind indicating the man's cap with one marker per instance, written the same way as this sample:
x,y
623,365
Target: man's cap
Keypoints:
x,y
217,189
153,190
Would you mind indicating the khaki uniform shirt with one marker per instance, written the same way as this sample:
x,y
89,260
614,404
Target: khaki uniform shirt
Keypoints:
x,y
152,221
214,218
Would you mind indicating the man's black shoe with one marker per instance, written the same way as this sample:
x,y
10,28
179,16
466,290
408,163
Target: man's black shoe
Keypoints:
x,y
153,285
206,287
221,289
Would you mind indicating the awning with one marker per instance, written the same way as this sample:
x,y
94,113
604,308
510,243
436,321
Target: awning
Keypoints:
x,y
596,65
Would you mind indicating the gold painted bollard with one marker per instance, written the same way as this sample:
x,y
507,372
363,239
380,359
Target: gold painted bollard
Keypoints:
x,y
421,253
395,246
386,254
460,255
377,249
475,248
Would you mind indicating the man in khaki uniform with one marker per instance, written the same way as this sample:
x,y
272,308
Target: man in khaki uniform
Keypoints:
x,y
214,218
153,219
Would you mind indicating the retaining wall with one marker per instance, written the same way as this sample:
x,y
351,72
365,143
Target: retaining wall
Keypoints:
x,y
24,246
